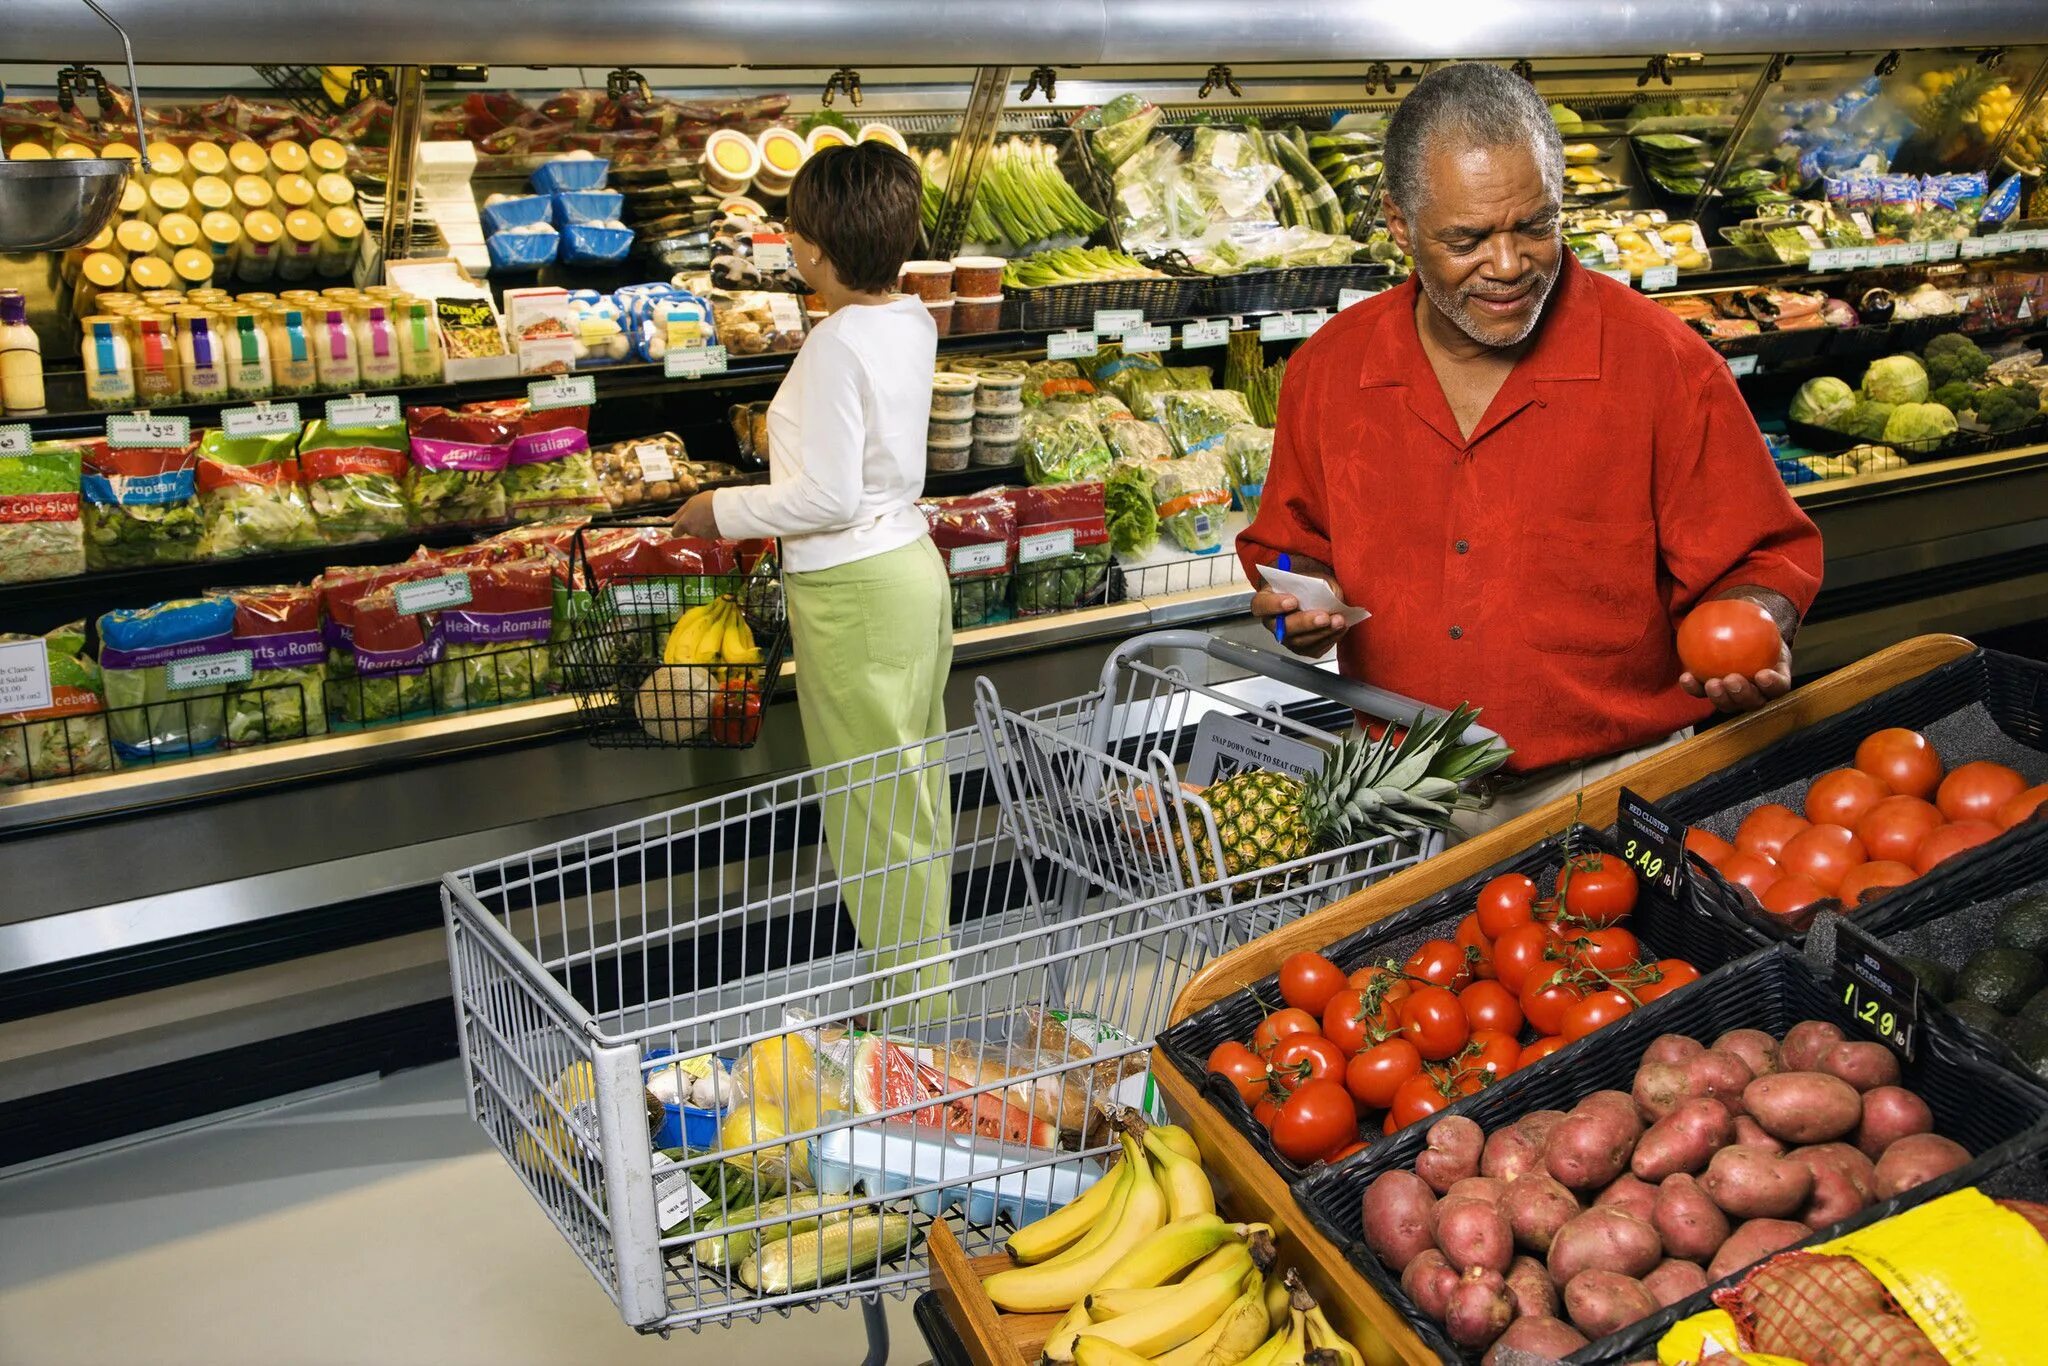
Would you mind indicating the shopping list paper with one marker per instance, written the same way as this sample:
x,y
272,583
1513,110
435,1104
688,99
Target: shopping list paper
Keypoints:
x,y
1314,594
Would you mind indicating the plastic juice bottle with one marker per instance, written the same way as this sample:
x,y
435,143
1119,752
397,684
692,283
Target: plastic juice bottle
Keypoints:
x,y
293,369
194,266
288,158
109,371
419,343
199,350
135,237
247,158
150,274
134,199
335,189
21,358
157,376
294,191
334,351
248,350
254,192
377,347
210,192
177,231
166,159
327,155
167,194
223,234
101,272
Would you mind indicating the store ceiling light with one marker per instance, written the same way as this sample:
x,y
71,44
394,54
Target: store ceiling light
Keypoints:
x,y
53,205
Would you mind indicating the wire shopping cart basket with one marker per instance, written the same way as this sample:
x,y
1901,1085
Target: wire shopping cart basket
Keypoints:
x,y
1109,785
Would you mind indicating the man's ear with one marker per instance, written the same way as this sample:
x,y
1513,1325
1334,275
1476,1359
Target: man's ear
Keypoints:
x,y
1397,228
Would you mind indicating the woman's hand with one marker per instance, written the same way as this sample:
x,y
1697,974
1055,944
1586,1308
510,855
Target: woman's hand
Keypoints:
x,y
696,519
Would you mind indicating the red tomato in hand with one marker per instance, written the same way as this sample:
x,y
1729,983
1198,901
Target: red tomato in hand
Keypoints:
x,y
1520,952
1824,853
1434,1022
1242,1068
1440,962
1789,897
1869,880
1751,871
1951,840
1491,1007
1610,949
1975,791
1507,901
1902,760
1544,1006
1478,948
1419,1097
1372,1077
1596,1011
1280,1024
1309,980
1766,831
1843,797
1317,1119
1894,828
1673,973
1729,636
1301,1058
1600,888
2022,807
1712,849
1491,1051
1536,1052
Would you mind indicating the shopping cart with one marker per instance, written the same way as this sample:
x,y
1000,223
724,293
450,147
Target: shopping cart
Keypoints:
x,y
1106,786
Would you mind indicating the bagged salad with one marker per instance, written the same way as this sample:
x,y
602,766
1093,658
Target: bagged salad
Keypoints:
x,y
1062,548
496,644
1061,444
355,479
1141,389
549,472
153,711
285,697
342,590
976,533
1130,439
1129,514
1247,453
251,498
1197,420
68,737
391,652
41,536
1051,376
141,505
457,476
1191,496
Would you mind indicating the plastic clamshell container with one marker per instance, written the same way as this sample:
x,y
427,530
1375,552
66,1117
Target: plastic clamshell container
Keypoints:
x,y
523,250
586,244
687,1126
517,211
886,1157
566,174
588,206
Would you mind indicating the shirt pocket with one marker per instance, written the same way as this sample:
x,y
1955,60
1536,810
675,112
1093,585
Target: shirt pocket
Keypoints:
x,y
1591,587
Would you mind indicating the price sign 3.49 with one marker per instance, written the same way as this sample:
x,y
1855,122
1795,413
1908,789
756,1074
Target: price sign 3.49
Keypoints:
x,y
1651,845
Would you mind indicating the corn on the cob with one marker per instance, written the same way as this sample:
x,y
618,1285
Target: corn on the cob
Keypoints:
x,y
721,1252
822,1255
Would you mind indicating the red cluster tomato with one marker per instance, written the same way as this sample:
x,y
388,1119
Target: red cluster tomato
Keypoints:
x,y
1870,828
1408,1039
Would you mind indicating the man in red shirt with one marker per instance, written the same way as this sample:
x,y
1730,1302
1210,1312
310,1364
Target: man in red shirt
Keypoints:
x,y
1528,473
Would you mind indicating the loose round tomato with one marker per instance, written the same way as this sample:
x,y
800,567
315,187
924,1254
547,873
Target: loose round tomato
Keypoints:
x,y
1347,1022
1318,1118
1300,1058
1491,1007
1712,849
2022,807
1672,973
1902,760
1545,1001
1365,977
1789,896
1434,1022
1309,980
1375,1075
1520,952
1267,1110
1752,871
1597,1011
1419,1097
1356,1145
1766,831
1536,1052
1843,797
1491,1051
1610,949
1242,1068
1824,853
1507,901
1440,962
1867,881
1951,840
1599,888
1975,791
1478,948
1894,827
1729,636
1280,1024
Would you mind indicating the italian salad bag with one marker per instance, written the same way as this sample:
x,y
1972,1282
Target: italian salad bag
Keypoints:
x,y
1062,548
68,737
251,497
496,645
355,479
41,536
457,477
153,711
285,697
141,505
549,472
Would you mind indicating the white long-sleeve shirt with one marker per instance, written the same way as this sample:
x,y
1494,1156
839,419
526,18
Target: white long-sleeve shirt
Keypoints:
x,y
846,437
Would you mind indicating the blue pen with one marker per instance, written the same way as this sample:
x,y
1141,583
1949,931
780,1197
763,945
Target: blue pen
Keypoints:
x,y
1285,564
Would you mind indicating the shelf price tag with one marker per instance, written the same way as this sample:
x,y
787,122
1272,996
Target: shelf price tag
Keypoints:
x,y
358,411
1044,546
140,429
1348,297
645,599
1971,248
1916,253
1069,345
1943,250
15,439
1741,365
1207,332
1280,327
1313,323
966,559
1620,277
771,252
1881,992
688,362
265,419
24,676
562,391
1659,277
1651,844
1859,258
1148,339
431,595
209,671
1826,258
1115,322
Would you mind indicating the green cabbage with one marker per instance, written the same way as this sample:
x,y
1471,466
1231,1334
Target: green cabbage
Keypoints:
x,y
1820,401
1865,420
1896,379
1921,425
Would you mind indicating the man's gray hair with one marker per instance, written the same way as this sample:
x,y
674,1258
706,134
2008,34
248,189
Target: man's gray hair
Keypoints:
x,y
1474,104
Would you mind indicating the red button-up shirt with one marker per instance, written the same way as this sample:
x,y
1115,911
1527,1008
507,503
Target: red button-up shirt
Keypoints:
x,y
1538,568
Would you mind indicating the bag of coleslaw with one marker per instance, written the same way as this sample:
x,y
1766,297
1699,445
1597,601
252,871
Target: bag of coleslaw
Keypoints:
x,y
251,498
41,536
285,695
68,737
355,479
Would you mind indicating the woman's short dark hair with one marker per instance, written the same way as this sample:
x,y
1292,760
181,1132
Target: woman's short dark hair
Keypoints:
x,y
860,206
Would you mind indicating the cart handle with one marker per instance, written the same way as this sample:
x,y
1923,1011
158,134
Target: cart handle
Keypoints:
x,y
1360,697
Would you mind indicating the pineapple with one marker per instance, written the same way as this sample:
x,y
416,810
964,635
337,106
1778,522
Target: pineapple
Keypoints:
x,y
1366,789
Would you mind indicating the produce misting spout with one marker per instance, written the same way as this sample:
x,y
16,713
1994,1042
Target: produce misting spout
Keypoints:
x,y
134,89
1219,74
1042,78
844,79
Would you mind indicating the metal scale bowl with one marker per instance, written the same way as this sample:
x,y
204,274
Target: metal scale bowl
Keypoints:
x,y
52,205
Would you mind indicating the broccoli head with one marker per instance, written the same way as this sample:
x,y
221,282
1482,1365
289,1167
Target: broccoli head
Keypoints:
x,y
1952,356
1956,396
2007,408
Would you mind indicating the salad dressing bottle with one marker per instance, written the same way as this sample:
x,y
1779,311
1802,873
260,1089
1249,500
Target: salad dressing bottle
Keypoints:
x,y
261,232
157,380
293,370
109,371
248,348
206,373
334,351
377,347
21,358
419,343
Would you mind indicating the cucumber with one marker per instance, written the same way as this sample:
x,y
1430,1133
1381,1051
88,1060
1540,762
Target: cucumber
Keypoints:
x,y
1319,199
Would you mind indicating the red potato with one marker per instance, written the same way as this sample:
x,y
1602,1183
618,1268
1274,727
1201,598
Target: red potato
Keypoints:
x,y
1752,1242
1688,1222
1890,1113
1605,1240
1804,1107
1865,1066
1806,1043
1552,1338
1603,1302
1683,1141
1836,1193
1479,1310
1671,1281
1617,1103
1750,1184
1487,1188
1711,1073
1754,1047
1474,1233
1429,1281
1510,1152
1588,1149
1398,1211
1537,1206
1915,1160
1628,1192
1668,1048
1860,1170
1455,1143
1750,1134
1537,1124
1532,1290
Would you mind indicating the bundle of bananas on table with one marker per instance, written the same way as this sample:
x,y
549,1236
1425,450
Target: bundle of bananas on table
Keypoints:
x,y
1148,1274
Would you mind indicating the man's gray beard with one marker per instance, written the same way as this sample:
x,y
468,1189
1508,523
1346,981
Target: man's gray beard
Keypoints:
x,y
1453,308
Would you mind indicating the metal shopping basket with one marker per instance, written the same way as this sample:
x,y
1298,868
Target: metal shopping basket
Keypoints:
x,y
1106,785
957,1079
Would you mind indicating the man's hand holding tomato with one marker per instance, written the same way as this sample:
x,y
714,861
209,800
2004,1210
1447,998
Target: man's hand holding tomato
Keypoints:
x,y
1734,649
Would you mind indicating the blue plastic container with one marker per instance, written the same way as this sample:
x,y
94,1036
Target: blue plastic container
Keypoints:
x,y
522,250
584,245
518,212
687,1126
577,173
588,206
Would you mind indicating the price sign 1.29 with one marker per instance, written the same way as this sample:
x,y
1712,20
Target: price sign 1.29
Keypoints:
x,y
1880,992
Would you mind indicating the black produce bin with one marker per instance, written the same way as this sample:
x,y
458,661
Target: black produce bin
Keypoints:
x,y
1665,930
1291,288
1985,705
2001,1117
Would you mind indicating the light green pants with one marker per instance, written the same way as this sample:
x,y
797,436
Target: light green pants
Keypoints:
x,y
874,645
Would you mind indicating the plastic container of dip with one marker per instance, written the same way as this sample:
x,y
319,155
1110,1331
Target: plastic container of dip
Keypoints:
x,y
978,277
950,454
931,281
730,161
999,428
999,393
942,432
942,316
989,454
977,315
952,397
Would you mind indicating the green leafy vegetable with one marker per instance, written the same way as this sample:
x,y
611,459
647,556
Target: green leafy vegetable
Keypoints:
x,y
41,536
1128,508
69,737
1060,446
1198,419
251,500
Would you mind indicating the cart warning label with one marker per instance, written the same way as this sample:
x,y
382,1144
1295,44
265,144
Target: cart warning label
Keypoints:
x,y
1225,745
676,1197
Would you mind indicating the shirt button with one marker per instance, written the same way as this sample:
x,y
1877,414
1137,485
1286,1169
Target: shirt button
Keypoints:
x,y
1457,633
1464,546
